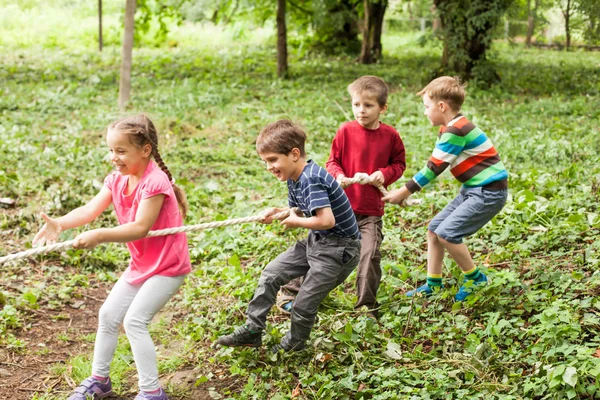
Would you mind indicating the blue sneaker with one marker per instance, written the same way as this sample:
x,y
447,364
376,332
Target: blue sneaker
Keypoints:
x,y
423,290
470,286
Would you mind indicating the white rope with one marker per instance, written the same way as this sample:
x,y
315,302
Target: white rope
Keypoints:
x,y
163,232
364,179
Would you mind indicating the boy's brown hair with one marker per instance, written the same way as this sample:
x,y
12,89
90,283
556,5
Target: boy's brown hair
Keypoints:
x,y
371,84
447,89
281,137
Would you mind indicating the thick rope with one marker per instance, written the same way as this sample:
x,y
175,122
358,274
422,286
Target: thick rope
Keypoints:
x,y
364,179
163,232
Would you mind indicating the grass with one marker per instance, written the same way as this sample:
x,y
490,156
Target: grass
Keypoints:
x,y
532,333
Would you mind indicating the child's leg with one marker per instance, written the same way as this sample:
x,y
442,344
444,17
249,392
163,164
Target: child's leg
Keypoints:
x,y
151,298
331,260
290,264
368,276
110,316
478,207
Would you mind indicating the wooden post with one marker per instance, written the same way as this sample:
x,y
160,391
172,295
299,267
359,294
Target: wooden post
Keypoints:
x,y
125,82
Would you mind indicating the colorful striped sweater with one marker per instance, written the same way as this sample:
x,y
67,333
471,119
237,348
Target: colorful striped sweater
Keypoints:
x,y
472,158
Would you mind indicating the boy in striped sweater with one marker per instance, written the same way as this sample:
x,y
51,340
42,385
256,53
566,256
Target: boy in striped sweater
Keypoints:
x,y
474,162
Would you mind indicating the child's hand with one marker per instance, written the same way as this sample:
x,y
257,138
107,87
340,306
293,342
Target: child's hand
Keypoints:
x,y
49,232
377,178
293,221
87,240
397,196
341,179
267,215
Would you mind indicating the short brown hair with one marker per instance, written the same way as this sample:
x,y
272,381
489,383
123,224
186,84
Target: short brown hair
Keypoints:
x,y
281,137
447,89
371,84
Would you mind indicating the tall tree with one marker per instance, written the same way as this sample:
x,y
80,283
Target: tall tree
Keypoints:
x,y
126,53
467,31
282,57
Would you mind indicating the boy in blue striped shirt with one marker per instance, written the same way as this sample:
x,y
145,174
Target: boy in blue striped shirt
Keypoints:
x,y
326,257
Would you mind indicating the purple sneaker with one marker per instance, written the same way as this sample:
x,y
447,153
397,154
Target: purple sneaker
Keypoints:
x,y
92,388
161,395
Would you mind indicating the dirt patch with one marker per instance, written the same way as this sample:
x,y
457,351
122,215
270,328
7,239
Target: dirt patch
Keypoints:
x,y
54,335
51,338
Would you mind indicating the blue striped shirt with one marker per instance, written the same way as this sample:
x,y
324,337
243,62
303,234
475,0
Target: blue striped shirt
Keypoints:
x,y
315,189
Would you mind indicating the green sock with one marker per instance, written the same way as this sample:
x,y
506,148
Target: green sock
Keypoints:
x,y
472,275
434,280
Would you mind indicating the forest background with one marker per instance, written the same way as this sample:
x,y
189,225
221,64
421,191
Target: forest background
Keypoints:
x,y
209,75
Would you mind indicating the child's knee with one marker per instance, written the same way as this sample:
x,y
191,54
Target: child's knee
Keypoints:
x,y
133,323
431,235
107,318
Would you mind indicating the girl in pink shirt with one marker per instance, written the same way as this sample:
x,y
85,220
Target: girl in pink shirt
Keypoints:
x,y
145,198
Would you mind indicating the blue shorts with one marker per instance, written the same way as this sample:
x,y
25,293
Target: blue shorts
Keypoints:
x,y
467,213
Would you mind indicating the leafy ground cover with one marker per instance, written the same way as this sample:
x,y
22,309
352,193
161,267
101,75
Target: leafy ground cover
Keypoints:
x,y
532,333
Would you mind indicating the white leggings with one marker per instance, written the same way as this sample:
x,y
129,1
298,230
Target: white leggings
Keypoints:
x,y
135,306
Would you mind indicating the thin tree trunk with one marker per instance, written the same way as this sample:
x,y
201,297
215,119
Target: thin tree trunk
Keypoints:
x,y
530,24
100,25
125,83
378,14
567,21
282,63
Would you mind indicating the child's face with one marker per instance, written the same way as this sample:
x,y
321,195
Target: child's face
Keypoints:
x,y
367,110
434,110
283,166
127,158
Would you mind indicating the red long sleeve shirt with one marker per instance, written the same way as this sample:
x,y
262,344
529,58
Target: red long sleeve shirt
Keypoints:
x,y
357,149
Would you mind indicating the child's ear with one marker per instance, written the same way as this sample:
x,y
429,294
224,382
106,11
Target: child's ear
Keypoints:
x,y
383,109
147,150
443,106
295,153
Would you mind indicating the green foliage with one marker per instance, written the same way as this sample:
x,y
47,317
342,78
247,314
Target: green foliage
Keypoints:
x,y
531,333
467,31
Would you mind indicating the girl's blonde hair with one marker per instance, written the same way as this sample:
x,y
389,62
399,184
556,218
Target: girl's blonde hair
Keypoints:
x,y
141,131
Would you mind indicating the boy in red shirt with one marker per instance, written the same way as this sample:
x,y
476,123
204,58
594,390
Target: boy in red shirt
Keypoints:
x,y
369,146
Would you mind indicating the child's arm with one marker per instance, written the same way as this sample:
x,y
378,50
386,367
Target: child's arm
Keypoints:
x,y
145,218
334,163
396,163
78,217
323,220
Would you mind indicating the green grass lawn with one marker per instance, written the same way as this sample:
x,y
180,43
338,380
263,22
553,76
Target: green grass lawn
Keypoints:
x,y
532,333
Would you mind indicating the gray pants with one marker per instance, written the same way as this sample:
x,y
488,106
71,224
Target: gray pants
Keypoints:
x,y
368,276
135,306
325,261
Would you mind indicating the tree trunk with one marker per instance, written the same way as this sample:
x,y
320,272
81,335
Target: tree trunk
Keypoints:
x,y
125,83
100,25
365,48
567,15
529,25
282,63
468,36
378,14
374,11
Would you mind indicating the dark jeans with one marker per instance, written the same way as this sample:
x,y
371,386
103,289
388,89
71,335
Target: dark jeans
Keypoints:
x,y
324,261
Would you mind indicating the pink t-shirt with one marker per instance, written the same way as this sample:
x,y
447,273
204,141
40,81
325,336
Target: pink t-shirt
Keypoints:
x,y
161,255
